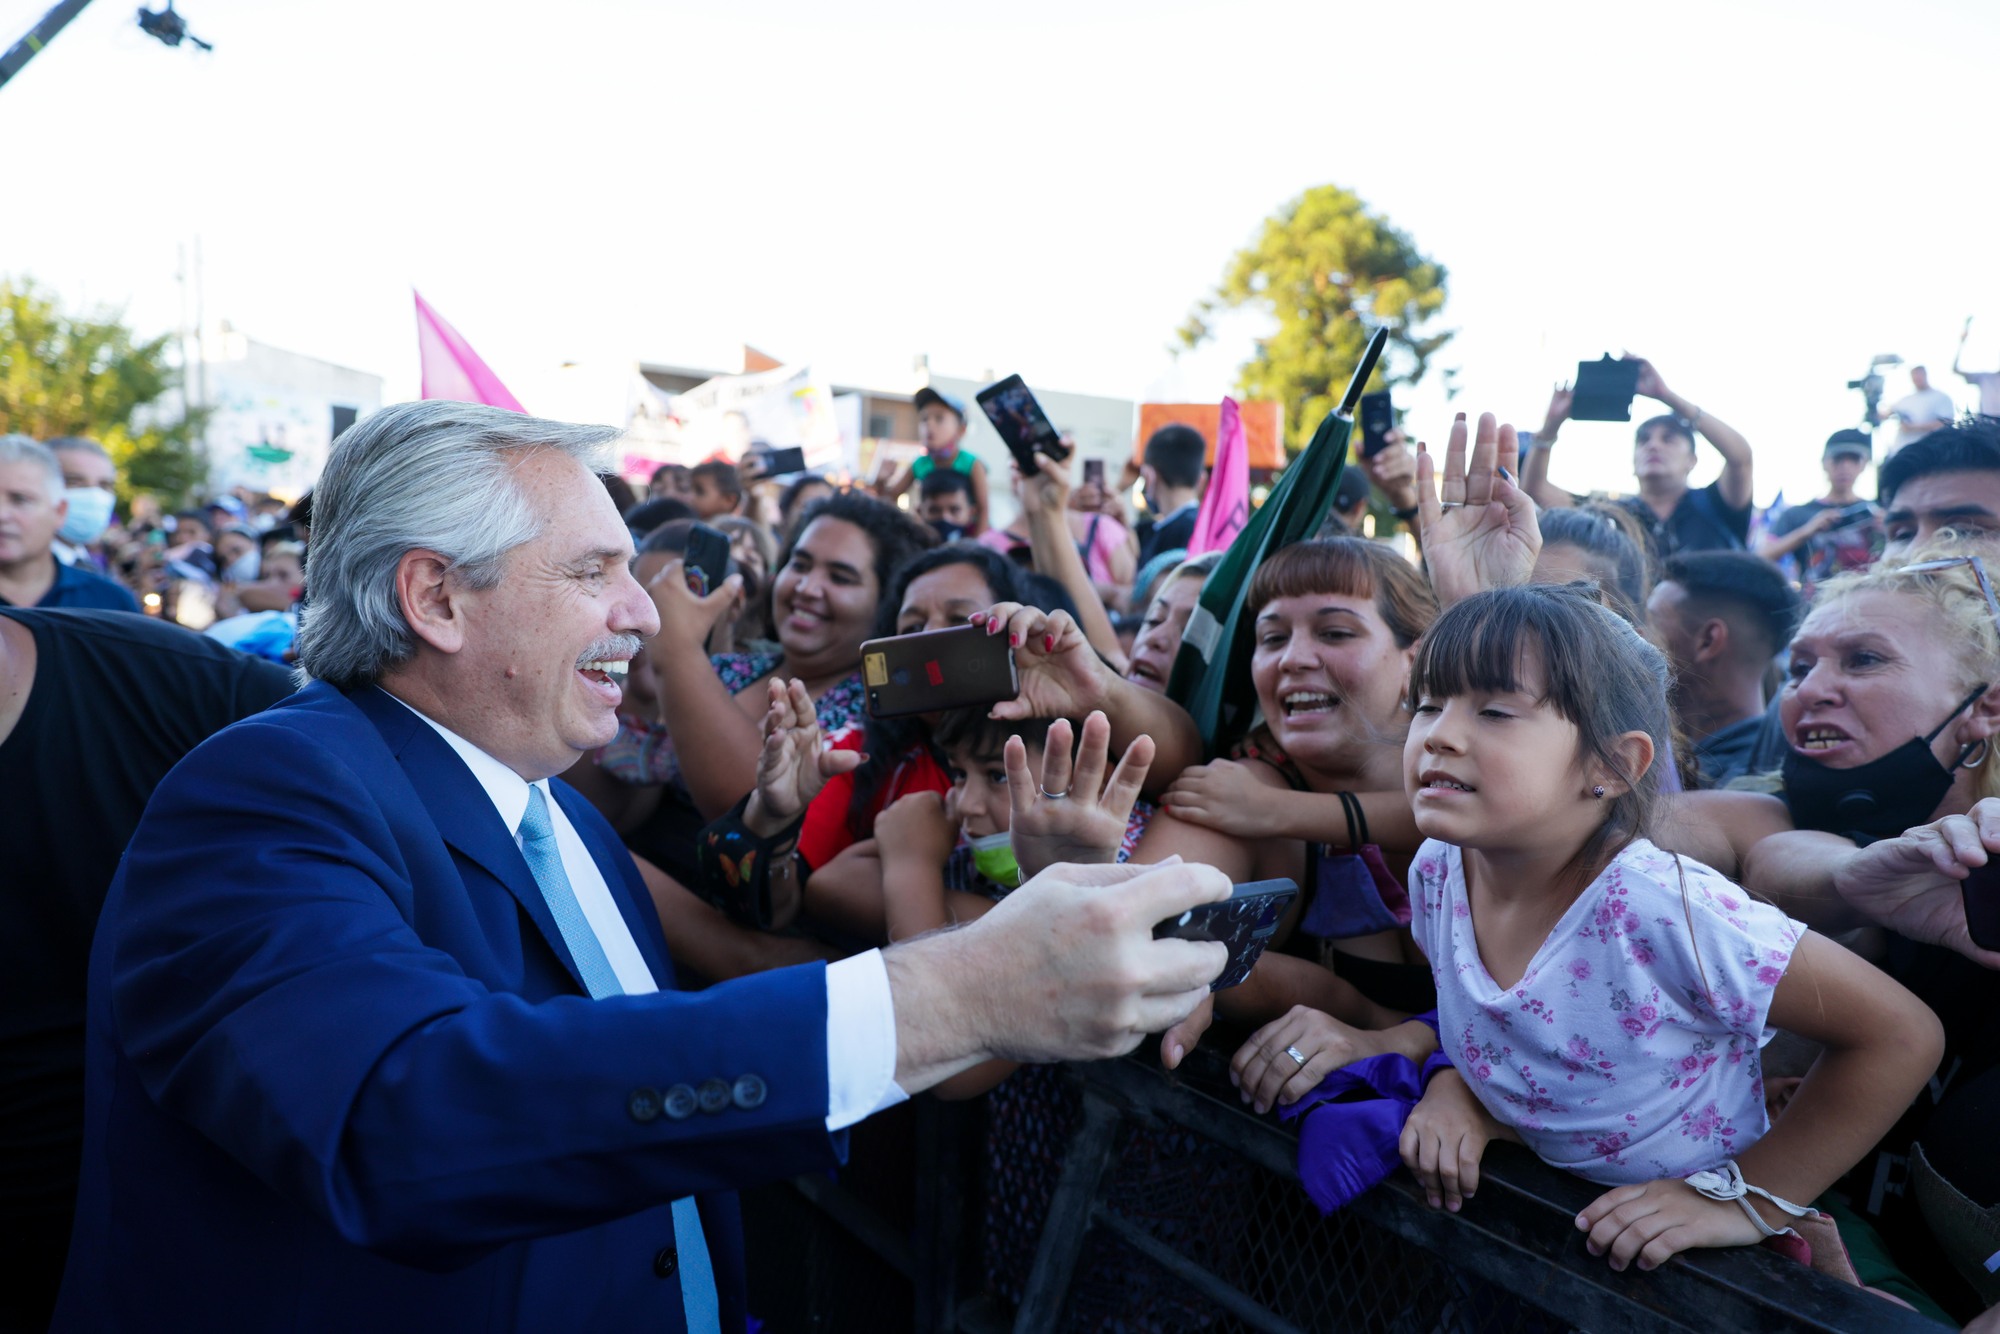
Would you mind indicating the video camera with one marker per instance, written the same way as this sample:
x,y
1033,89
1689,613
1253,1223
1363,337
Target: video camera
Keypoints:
x,y
1870,386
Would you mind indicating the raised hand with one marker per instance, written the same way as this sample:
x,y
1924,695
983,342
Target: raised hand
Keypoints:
x,y
1561,401
1046,490
792,768
1061,676
1650,384
1479,529
1393,471
1071,813
1913,884
917,826
684,617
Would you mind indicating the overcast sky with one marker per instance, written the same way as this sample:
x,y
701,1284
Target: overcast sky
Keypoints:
x,y
1757,196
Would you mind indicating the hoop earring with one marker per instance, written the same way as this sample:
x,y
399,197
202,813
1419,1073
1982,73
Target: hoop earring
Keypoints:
x,y
1983,747
1598,792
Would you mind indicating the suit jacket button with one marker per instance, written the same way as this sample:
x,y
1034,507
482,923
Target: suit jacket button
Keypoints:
x,y
644,1105
750,1092
714,1096
681,1102
667,1263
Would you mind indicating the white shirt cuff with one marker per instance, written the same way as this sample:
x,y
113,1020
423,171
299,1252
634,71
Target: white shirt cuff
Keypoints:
x,y
860,1041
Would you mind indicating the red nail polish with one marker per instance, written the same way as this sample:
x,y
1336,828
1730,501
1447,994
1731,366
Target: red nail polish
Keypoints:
x,y
1014,641
1048,643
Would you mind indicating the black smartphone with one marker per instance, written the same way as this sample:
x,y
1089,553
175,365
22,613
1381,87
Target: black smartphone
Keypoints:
x,y
707,558
1859,512
1245,922
934,670
1604,390
782,462
1024,428
1982,904
1378,418
1093,473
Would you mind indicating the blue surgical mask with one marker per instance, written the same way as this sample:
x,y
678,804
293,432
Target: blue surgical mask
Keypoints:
x,y
89,514
243,569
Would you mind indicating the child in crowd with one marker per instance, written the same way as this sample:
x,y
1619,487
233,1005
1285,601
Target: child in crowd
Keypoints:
x,y
944,501
941,429
948,858
1602,1001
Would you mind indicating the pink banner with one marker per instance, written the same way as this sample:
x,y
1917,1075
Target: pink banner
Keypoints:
x,y
451,369
1225,506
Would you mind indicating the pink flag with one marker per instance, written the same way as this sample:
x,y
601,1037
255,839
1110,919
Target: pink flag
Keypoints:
x,y
1225,507
451,369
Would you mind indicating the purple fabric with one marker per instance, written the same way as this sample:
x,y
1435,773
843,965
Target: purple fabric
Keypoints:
x,y
1351,1126
1356,895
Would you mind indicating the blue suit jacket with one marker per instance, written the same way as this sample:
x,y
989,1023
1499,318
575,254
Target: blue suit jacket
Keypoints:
x,y
342,1074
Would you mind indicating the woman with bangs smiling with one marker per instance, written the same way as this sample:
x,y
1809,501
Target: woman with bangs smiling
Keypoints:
x,y
1315,797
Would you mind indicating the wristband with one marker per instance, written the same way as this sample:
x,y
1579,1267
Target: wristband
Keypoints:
x,y
1726,1183
1407,516
736,865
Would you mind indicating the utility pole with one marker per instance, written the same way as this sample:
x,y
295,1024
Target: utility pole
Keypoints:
x,y
39,36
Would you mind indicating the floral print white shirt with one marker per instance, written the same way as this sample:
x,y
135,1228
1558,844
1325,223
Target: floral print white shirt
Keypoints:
x,y
1628,1051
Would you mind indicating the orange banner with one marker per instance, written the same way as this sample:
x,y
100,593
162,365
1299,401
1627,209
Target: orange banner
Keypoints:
x,y
1263,428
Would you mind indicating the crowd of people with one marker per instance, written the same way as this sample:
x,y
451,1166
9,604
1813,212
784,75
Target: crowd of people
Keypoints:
x,y
1634,829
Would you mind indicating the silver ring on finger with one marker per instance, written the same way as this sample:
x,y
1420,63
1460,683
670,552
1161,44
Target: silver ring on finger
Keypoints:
x,y
1451,504
1298,1056
1052,796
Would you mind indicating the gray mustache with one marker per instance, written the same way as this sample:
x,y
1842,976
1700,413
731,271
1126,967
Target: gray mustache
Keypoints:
x,y
611,646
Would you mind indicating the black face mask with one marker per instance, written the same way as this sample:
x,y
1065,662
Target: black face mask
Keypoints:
x,y
1879,799
947,532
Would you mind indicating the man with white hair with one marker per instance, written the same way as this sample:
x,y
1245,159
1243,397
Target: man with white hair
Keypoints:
x,y
32,508
382,1028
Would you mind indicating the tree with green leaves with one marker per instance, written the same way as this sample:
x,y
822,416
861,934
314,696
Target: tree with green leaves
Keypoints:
x,y
65,373
1332,271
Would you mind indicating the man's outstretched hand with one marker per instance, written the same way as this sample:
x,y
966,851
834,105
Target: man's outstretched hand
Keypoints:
x,y
1063,969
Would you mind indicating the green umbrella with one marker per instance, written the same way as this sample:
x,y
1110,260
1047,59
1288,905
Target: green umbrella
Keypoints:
x,y
1212,672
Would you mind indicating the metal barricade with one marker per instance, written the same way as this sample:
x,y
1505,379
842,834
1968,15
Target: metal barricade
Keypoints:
x,y
863,1254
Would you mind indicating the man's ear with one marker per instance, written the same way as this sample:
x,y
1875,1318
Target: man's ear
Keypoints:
x,y
1711,640
432,599
1634,753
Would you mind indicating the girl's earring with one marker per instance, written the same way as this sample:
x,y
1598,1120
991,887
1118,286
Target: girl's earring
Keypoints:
x,y
1598,792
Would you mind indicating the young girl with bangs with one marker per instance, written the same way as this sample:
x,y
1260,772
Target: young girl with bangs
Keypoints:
x,y
1600,1000
1317,798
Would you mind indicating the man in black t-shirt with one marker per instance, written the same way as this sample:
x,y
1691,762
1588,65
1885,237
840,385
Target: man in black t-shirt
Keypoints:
x,y
95,707
1176,457
1674,516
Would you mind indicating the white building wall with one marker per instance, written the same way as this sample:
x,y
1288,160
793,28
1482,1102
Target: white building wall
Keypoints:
x,y
272,424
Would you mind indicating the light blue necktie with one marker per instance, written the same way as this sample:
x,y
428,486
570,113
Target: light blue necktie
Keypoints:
x,y
538,845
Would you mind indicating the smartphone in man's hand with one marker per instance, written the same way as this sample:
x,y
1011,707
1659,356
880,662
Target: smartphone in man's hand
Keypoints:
x,y
1245,922
934,670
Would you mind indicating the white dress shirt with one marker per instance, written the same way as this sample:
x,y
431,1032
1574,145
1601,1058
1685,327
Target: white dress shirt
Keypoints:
x,y
860,1013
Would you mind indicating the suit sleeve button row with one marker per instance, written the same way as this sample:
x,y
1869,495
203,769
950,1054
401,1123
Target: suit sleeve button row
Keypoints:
x,y
680,1102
